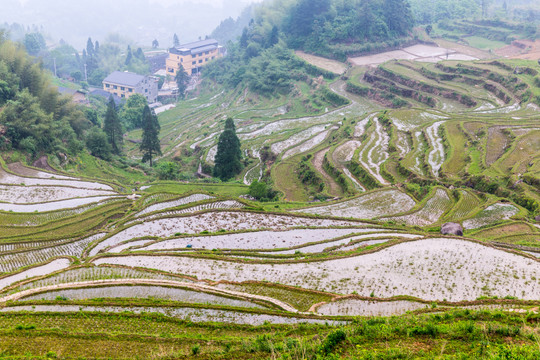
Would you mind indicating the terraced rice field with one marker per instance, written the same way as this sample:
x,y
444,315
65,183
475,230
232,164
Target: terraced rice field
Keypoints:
x,y
14,261
213,222
365,245
419,268
368,206
430,213
309,144
257,240
279,147
466,205
175,203
375,152
436,155
492,214
357,307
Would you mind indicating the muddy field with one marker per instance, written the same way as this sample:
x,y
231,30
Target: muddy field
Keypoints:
x,y
419,52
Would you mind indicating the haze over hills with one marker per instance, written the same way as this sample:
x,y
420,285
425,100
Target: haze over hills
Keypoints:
x,y
140,20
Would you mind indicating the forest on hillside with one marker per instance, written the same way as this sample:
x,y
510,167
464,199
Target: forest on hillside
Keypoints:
x,y
263,57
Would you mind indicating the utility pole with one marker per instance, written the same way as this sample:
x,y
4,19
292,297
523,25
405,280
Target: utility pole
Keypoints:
x,y
54,61
85,74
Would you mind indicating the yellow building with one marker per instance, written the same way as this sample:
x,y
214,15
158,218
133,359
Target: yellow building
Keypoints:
x,y
124,84
193,56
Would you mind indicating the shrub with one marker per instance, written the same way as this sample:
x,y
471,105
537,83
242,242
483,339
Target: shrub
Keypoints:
x,y
262,191
167,170
332,341
195,349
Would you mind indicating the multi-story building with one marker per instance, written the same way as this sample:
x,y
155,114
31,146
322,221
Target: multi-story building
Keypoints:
x,y
193,56
125,84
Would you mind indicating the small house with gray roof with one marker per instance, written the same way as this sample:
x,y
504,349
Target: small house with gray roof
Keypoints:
x,y
124,84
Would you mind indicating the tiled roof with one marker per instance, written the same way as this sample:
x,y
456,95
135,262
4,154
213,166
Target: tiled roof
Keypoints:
x,y
124,78
198,44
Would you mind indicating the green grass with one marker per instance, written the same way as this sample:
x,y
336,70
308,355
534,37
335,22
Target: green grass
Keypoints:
x,y
302,300
475,166
483,43
87,165
225,189
77,225
456,160
462,334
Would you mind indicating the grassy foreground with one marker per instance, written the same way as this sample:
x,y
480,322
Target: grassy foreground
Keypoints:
x,y
460,334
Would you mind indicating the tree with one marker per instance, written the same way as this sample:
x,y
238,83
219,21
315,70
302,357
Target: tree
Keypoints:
x,y
129,56
261,191
133,111
89,47
139,54
34,43
150,143
176,41
155,44
112,127
228,156
244,38
398,16
274,36
182,80
96,141
167,170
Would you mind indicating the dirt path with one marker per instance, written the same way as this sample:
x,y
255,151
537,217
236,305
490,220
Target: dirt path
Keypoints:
x,y
464,49
333,187
327,64
154,282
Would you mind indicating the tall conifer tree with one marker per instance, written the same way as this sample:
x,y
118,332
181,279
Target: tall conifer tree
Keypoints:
x,y
112,127
150,143
228,155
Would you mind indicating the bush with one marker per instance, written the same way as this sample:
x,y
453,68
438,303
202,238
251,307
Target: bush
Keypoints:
x,y
167,170
195,349
262,191
97,143
332,341
28,144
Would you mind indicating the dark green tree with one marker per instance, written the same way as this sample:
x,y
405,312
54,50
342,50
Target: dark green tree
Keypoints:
x,y
129,56
261,191
182,80
244,38
274,37
228,156
176,41
34,43
398,16
96,142
112,127
139,54
299,23
155,44
150,143
167,170
89,47
132,112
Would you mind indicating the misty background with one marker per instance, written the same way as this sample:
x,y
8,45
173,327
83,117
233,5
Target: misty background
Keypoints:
x,y
137,21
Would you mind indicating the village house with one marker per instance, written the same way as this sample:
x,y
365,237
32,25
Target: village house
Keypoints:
x,y
193,56
124,84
